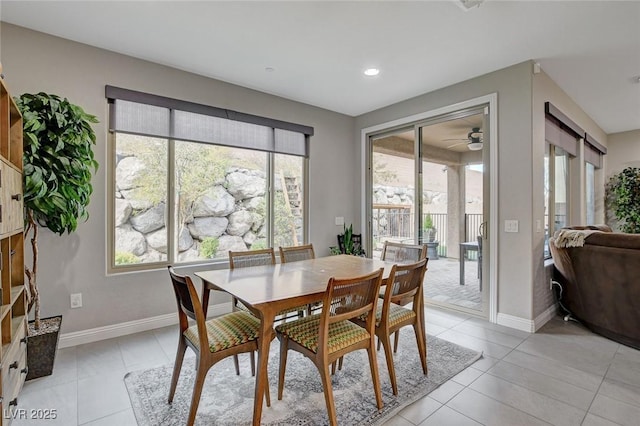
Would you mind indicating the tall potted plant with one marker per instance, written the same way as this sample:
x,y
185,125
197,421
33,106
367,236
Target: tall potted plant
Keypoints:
x,y
58,164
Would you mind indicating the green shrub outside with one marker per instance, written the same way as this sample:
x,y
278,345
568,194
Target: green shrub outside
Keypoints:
x,y
126,258
209,247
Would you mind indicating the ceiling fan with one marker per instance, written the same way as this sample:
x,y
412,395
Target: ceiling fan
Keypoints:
x,y
473,140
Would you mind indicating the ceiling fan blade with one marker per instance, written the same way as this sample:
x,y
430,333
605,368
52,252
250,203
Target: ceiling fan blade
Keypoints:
x,y
456,144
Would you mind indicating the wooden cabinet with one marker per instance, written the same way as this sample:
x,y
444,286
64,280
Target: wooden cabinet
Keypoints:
x,y
13,312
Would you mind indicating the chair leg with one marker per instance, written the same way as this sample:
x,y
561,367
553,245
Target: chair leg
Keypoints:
x,y
333,367
237,364
373,364
267,393
201,375
284,349
396,338
177,366
340,363
253,363
328,394
422,345
386,342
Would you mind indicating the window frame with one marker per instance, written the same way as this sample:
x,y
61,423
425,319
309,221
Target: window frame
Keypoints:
x,y
171,224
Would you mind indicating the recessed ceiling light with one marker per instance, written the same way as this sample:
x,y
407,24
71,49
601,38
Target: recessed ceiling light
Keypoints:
x,y
371,72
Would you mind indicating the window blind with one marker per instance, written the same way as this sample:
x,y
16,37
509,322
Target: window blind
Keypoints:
x,y
556,135
157,116
593,151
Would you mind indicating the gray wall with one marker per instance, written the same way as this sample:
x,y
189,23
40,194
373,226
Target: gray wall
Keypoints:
x,y
523,281
513,86
76,263
624,151
545,89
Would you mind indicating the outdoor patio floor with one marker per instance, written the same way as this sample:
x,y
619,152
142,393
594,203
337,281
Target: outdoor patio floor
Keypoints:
x,y
442,283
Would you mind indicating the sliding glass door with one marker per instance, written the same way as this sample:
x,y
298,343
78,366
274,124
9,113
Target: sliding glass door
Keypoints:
x,y
427,185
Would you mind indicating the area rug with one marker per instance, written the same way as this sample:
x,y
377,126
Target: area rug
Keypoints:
x,y
227,399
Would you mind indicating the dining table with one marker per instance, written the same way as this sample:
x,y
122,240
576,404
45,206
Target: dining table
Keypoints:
x,y
268,289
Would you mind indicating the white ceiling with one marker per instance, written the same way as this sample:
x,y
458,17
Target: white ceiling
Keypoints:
x,y
318,50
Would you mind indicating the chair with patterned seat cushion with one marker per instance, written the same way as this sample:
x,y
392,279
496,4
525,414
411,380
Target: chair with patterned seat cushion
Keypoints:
x,y
404,282
325,337
243,259
403,253
211,340
296,254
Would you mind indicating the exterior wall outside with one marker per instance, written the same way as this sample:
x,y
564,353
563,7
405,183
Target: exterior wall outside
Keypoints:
x,y
76,263
623,152
513,86
544,89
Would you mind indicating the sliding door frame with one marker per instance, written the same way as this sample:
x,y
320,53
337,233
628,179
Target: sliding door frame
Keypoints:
x,y
406,122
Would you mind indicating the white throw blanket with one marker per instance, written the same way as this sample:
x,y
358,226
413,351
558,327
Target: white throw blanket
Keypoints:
x,y
571,237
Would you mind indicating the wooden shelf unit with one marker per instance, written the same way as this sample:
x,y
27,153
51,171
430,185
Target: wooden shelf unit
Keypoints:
x,y
13,310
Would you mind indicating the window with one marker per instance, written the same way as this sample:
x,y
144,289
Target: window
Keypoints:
x,y
590,192
593,153
556,199
561,135
561,183
190,184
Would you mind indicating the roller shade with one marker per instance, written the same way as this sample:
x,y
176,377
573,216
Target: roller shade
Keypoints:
x,y
593,151
556,135
157,116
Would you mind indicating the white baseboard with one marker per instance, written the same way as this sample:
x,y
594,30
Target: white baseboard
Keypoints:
x,y
516,322
545,316
122,329
528,325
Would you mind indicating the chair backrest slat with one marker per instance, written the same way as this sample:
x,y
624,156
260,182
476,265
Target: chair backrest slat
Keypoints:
x,y
405,282
349,298
244,259
296,253
403,253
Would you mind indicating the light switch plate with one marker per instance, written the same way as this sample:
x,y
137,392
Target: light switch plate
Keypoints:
x,y
339,220
510,225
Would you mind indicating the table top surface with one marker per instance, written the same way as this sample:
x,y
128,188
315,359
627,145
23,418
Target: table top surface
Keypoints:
x,y
262,284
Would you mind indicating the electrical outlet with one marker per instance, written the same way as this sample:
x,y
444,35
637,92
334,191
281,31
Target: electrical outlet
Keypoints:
x,y
76,300
339,221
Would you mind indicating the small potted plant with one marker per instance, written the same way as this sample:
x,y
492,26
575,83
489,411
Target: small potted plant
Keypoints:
x,y
348,243
429,230
58,164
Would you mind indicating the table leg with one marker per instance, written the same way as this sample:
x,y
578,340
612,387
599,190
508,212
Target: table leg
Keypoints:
x,y
205,299
266,335
462,253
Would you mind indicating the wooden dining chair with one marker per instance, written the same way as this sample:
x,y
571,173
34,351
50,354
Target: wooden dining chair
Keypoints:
x,y
403,253
325,337
211,340
296,254
404,282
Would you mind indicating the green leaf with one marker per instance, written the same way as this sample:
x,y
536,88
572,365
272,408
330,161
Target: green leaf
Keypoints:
x,y
58,159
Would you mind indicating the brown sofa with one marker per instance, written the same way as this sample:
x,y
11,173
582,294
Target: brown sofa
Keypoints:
x,y
601,281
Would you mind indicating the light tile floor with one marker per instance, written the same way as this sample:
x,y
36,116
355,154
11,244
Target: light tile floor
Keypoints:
x,y
562,375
